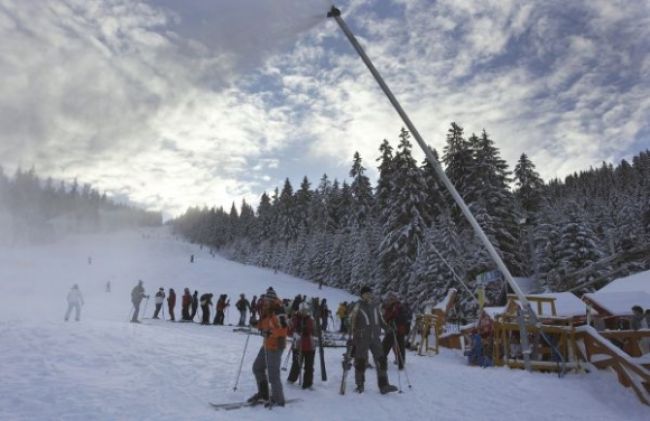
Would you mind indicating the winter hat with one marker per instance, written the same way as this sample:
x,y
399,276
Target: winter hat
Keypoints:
x,y
161,289
270,294
365,289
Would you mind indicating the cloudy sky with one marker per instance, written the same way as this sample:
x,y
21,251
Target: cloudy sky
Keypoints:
x,y
175,103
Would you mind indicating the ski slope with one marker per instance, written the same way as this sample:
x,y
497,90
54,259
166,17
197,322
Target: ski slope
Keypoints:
x,y
106,368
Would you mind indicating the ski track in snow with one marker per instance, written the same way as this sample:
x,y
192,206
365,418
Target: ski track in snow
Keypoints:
x,y
108,369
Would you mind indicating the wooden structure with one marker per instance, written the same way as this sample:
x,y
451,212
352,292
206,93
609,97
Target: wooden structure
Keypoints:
x,y
596,349
552,343
431,323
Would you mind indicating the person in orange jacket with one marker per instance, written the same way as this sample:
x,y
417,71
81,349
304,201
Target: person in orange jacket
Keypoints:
x,y
274,328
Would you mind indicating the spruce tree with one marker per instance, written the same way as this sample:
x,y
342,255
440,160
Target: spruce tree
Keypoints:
x,y
404,224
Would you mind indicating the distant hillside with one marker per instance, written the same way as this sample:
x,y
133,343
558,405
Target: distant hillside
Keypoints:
x,y
36,211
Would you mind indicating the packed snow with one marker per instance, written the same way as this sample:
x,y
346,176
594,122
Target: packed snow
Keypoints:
x,y
103,367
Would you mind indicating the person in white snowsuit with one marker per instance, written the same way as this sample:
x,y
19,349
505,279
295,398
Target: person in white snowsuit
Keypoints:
x,y
75,300
160,298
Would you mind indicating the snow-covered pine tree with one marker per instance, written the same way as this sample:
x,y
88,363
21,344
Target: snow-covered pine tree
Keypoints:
x,y
302,202
577,249
404,220
493,204
529,185
361,189
286,217
458,159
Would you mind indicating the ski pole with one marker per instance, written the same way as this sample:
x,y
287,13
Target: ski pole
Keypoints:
x,y
400,360
163,310
241,363
130,312
286,359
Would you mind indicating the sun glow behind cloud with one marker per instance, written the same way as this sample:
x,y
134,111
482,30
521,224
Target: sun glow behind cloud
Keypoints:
x,y
175,104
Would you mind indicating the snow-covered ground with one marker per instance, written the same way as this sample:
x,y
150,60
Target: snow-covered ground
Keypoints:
x,y
106,368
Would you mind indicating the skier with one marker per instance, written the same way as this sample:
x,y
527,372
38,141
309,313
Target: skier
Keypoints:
x,y
185,305
341,313
242,305
160,299
222,303
253,319
171,303
195,304
273,326
396,318
137,294
206,303
303,346
108,286
324,315
365,324
75,300
295,305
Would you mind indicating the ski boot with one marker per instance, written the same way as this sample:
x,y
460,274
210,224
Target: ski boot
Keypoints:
x,y
262,395
388,388
359,388
384,386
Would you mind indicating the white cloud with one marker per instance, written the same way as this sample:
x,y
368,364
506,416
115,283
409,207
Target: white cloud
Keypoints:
x,y
191,103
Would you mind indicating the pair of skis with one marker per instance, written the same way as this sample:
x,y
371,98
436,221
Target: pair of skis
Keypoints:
x,y
245,404
321,350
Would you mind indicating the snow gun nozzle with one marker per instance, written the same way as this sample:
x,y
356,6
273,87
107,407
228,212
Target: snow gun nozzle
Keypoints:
x,y
334,12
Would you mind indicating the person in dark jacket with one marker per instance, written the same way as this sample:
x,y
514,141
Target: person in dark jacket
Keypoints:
x,y
253,319
366,324
242,305
396,329
137,294
324,314
185,305
303,346
206,303
171,303
195,304
222,303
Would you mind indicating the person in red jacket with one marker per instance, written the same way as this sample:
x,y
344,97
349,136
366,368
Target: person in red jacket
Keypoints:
x,y
397,328
303,347
185,305
171,303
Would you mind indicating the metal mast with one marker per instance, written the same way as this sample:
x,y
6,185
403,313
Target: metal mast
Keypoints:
x,y
336,14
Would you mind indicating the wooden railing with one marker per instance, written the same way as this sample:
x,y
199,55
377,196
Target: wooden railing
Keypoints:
x,y
598,349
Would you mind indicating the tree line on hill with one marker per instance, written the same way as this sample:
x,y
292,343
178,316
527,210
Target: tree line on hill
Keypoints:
x,y
36,210
406,235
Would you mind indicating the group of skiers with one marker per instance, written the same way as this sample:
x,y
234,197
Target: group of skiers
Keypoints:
x,y
277,320
366,320
190,304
